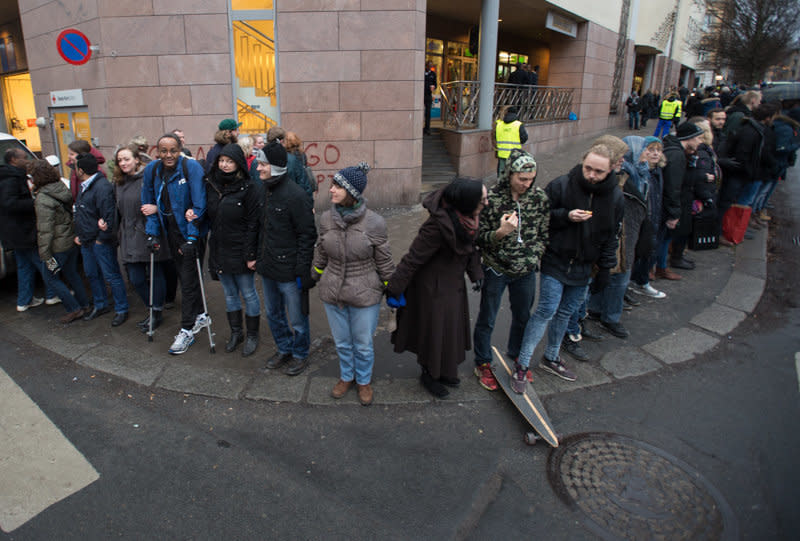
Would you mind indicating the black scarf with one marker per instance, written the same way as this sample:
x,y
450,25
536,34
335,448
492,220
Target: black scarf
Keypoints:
x,y
582,194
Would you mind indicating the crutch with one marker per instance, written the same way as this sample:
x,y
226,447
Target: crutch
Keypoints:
x,y
150,321
205,306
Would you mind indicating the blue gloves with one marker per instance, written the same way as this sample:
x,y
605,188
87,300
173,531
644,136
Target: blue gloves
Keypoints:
x,y
396,302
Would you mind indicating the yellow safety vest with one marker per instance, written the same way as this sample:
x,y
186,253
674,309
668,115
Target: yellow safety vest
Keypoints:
x,y
507,137
670,110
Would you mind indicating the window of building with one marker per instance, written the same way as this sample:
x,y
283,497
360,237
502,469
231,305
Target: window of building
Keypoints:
x,y
255,69
506,63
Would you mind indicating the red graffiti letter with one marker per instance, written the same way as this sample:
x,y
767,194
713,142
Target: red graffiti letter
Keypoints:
x,y
333,149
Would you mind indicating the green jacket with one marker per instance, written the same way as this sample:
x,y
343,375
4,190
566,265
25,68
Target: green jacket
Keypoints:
x,y
54,223
508,256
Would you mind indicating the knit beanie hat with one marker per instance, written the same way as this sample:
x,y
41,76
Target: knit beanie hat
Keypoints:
x,y
520,161
260,156
276,154
687,131
87,162
649,140
353,179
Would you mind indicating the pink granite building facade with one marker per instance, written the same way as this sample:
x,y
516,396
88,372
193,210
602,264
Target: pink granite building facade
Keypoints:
x,y
349,81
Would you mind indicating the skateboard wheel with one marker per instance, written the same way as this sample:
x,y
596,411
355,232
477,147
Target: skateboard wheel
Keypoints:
x,y
531,438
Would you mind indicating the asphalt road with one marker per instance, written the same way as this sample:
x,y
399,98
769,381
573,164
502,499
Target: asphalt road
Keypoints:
x,y
185,467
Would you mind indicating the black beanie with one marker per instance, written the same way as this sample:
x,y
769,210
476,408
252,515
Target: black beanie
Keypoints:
x,y
87,162
276,154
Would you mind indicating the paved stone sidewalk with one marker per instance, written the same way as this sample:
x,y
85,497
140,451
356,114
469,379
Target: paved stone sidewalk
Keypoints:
x,y
697,314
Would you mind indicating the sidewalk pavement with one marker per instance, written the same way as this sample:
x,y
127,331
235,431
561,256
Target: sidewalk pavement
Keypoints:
x,y
698,313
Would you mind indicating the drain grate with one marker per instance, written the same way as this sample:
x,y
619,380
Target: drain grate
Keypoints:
x,y
626,489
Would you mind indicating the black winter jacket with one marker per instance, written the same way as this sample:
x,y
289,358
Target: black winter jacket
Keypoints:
x,y
96,202
287,233
674,174
234,211
17,216
704,163
574,247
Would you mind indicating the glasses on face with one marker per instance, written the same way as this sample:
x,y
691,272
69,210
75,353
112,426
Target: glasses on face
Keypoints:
x,y
170,151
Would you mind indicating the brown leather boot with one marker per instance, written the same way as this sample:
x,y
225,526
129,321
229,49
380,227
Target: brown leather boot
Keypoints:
x,y
341,388
365,394
667,274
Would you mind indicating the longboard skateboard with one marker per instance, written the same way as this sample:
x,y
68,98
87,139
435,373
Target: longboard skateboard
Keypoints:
x,y
527,403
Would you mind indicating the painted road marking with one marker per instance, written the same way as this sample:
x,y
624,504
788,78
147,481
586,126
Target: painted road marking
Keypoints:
x,y
38,465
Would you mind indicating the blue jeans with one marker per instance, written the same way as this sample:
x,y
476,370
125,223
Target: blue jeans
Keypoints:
x,y
557,302
139,276
28,263
100,265
662,128
764,192
241,284
290,336
609,301
747,195
662,247
633,119
521,294
574,325
353,329
68,261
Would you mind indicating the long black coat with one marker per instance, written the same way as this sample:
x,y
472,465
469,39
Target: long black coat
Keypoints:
x,y
435,322
234,211
17,216
678,187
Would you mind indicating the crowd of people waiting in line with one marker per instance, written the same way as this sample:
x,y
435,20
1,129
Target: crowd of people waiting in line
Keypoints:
x,y
603,231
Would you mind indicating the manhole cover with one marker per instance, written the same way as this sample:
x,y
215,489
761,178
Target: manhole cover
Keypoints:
x,y
627,489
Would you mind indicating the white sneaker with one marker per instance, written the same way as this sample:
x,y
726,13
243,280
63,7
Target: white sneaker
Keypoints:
x,y
183,340
648,290
53,300
35,301
201,322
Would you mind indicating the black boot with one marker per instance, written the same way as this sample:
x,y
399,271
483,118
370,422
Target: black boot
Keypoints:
x,y
158,319
237,336
251,341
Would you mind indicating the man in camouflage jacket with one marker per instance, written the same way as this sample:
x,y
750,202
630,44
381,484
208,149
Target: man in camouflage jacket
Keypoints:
x,y
512,237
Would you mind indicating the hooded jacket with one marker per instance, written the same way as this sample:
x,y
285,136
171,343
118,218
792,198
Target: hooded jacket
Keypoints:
x,y
574,247
17,217
56,233
514,255
186,190
234,205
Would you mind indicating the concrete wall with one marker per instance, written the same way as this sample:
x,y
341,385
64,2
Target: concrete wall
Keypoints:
x,y
354,89
606,15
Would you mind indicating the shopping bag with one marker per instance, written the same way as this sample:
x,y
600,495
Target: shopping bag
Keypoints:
x,y
734,222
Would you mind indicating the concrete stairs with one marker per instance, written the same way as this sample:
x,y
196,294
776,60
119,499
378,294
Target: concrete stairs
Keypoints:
x,y
437,169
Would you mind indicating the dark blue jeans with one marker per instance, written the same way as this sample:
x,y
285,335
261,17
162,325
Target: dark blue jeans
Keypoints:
x,y
68,261
100,265
291,335
28,263
139,276
609,302
521,294
633,120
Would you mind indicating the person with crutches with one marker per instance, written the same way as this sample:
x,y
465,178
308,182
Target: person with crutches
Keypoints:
x,y
175,184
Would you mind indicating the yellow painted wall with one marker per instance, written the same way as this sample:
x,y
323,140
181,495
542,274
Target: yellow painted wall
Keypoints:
x,y
20,110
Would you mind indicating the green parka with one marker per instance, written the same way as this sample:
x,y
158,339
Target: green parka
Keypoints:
x,y
54,224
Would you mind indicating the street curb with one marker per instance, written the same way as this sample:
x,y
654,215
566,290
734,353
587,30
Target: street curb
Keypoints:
x,y
703,332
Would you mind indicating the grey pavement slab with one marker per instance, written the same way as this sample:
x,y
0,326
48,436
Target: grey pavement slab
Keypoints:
x,y
588,375
742,292
755,248
387,391
719,319
277,387
680,346
127,363
627,362
208,381
61,340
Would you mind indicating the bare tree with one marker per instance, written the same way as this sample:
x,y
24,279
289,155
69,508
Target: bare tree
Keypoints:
x,y
749,36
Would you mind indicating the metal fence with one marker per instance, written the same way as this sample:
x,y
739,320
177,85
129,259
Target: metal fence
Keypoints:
x,y
535,103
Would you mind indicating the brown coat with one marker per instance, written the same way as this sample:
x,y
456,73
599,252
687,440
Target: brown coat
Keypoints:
x,y
352,258
435,322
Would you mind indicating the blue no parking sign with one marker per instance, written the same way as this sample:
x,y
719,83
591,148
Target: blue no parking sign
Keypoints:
x,y
74,46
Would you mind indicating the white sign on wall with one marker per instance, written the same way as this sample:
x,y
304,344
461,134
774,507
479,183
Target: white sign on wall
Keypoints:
x,y
561,24
67,98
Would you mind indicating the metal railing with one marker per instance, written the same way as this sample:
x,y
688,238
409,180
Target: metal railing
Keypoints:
x,y
535,103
